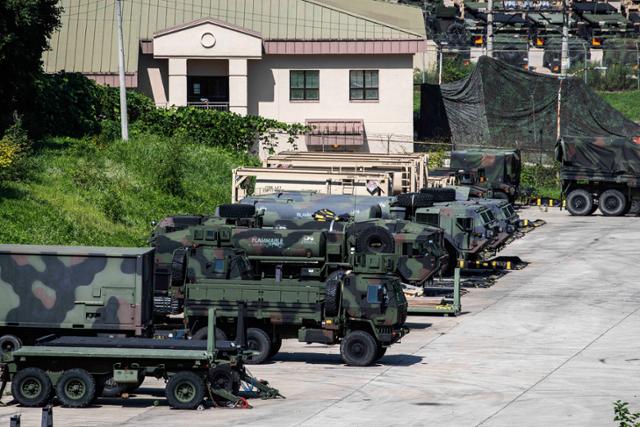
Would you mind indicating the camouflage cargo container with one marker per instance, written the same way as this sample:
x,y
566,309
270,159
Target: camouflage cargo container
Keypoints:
x,y
87,290
494,170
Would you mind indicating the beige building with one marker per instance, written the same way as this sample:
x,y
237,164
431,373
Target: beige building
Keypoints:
x,y
344,67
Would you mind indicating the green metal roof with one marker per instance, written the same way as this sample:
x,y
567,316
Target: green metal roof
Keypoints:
x,y
87,43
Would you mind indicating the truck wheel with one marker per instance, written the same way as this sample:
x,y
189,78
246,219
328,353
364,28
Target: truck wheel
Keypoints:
x,y
332,294
381,351
76,388
201,334
612,203
375,239
358,348
179,267
579,202
222,377
185,390
259,341
276,344
31,387
9,343
415,200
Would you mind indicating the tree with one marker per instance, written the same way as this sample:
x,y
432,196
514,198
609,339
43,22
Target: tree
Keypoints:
x,y
25,29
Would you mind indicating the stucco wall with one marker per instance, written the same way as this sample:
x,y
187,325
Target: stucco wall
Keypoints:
x,y
389,118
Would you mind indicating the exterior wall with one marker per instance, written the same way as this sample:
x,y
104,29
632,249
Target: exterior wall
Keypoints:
x,y
207,67
388,122
149,69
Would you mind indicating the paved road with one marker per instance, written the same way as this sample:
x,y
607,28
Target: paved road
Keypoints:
x,y
553,344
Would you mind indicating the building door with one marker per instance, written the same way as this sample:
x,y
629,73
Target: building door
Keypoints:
x,y
207,89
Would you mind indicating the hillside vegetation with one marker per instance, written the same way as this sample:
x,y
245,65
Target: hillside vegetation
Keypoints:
x,y
628,103
79,191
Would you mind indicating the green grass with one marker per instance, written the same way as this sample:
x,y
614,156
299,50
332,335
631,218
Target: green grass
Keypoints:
x,y
628,103
80,192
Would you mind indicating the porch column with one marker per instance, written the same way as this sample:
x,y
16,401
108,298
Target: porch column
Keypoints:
x,y
238,86
177,81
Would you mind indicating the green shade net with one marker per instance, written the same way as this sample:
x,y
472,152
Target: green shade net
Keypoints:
x,y
503,106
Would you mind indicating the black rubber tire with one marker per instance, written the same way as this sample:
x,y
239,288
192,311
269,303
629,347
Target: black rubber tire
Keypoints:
x,y
258,340
332,294
414,200
440,194
358,348
30,378
612,203
201,334
76,381
179,267
375,239
579,202
185,390
236,211
276,345
381,352
593,209
9,343
225,378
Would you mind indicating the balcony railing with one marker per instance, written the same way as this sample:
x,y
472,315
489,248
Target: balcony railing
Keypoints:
x,y
220,106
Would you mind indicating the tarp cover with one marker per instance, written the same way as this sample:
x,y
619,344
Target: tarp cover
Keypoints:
x,y
614,156
502,106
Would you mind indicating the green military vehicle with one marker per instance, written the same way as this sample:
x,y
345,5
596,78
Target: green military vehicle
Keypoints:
x,y
79,290
76,369
599,173
305,284
492,173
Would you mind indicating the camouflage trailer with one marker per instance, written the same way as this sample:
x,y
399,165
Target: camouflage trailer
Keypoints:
x,y
493,170
599,173
304,284
87,290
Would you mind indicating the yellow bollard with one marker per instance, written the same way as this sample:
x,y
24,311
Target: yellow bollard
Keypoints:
x,y
461,263
550,203
539,202
526,222
508,265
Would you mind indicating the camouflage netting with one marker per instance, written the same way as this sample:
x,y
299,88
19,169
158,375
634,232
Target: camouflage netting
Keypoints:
x,y
502,106
614,156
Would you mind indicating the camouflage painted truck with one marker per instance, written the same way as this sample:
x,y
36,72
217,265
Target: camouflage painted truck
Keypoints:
x,y
491,173
302,284
599,173
73,290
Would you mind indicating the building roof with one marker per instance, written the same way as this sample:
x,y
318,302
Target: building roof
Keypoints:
x,y
87,42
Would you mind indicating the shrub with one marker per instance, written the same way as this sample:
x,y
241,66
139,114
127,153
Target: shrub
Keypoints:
x,y
624,416
541,180
14,147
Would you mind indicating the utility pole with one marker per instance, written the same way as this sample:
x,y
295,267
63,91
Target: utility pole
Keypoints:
x,y
564,55
490,29
124,121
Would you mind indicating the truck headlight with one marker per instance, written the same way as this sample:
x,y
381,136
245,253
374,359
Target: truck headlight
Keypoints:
x,y
489,234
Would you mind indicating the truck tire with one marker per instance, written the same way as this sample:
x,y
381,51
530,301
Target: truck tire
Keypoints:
x,y
375,239
332,294
179,267
9,343
236,211
414,200
381,351
185,390
31,387
201,334
222,377
579,202
612,203
276,345
358,348
76,388
258,340
441,194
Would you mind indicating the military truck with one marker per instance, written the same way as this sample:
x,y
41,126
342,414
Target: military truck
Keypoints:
x,y
496,171
79,290
599,173
304,284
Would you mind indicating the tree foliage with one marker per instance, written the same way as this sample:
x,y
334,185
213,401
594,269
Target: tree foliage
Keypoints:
x,y
25,28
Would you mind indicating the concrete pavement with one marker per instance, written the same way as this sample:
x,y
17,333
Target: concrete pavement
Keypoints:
x,y
553,344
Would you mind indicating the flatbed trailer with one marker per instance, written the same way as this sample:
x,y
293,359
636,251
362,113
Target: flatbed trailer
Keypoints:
x,y
76,369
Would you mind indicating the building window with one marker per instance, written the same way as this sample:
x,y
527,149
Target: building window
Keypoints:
x,y
304,85
363,85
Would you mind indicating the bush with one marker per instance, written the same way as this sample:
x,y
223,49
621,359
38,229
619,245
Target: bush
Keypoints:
x,y
624,416
14,147
616,77
541,180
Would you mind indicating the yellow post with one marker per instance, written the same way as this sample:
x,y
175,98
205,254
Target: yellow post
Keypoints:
x,y
508,265
539,202
550,202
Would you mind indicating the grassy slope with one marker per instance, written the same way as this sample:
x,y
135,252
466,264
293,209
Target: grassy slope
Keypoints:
x,y
626,102
79,193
